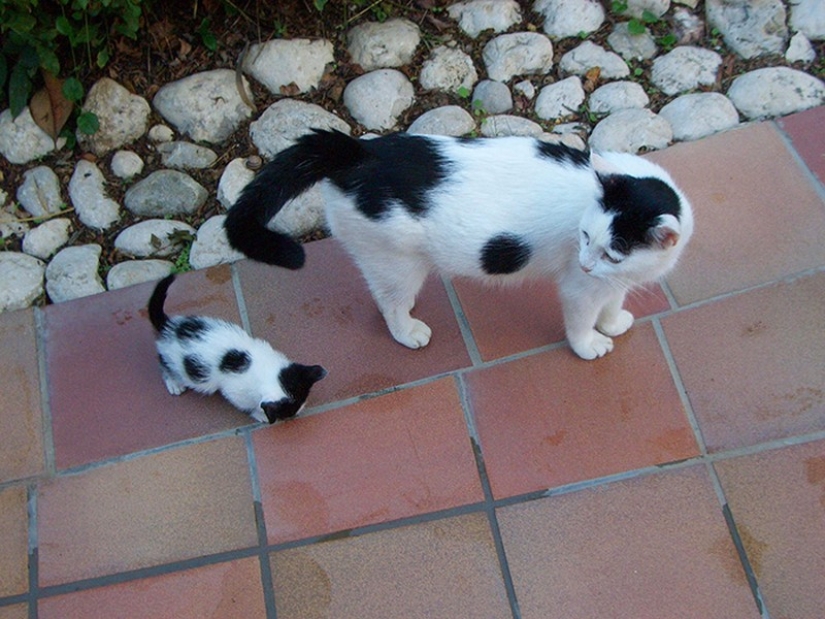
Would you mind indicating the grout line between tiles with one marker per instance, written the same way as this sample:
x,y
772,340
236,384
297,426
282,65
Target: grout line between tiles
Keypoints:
x,y
45,402
240,301
803,166
463,323
33,554
746,564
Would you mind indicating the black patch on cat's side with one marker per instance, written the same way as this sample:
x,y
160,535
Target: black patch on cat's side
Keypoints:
x,y
637,204
191,328
401,168
561,153
504,253
235,362
164,363
196,369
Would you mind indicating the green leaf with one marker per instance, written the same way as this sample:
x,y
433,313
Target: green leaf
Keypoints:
x,y
320,4
28,57
4,70
88,123
20,87
463,92
102,58
634,26
64,26
649,17
48,59
73,89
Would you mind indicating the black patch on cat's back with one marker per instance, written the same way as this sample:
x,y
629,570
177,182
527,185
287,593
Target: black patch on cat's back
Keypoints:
x,y
196,368
401,168
637,204
561,153
505,253
191,328
235,361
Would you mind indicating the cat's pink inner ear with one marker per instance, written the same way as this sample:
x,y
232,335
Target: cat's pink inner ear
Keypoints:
x,y
667,237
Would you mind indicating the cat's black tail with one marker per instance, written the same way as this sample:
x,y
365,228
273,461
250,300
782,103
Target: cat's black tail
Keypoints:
x,y
318,155
156,314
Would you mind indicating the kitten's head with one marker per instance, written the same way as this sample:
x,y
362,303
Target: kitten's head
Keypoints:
x,y
637,231
295,381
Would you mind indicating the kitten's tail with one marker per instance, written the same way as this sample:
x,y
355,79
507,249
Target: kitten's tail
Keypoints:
x,y
313,157
156,314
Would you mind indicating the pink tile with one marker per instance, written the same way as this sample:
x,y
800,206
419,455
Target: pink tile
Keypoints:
x,y
324,314
752,364
777,499
807,132
506,320
553,419
14,541
21,421
655,546
758,217
106,394
222,591
389,457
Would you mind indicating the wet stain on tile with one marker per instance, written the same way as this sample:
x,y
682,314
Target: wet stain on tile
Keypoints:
x,y
799,402
723,549
754,547
754,328
554,440
219,275
815,474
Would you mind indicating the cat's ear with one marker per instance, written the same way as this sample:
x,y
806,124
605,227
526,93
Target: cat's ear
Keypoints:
x,y
666,233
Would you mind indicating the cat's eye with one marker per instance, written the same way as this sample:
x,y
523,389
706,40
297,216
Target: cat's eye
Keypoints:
x,y
611,259
586,237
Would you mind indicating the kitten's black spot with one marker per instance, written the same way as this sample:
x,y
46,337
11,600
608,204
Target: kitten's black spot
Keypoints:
x,y
402,168
505,253
164,363
296,380
191,328
563,154
470,141
196,368
637,204
282,409
235,361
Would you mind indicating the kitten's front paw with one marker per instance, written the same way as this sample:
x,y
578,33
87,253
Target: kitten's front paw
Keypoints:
x,y
173,386
617,324
592,346
414,334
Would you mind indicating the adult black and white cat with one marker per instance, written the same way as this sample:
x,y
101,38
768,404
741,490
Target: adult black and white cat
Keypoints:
x,y
209,354
501,209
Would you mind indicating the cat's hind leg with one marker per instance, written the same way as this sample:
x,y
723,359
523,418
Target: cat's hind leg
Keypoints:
x,y
173,383
613,320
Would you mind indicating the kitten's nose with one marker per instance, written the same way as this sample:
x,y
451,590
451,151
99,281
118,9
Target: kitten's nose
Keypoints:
x,y
586,268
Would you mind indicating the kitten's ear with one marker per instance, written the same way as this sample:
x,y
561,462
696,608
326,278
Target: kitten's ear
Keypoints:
x,y
313,373
666,234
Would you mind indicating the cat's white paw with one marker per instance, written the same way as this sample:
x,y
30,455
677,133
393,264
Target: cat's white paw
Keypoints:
x,y
592,346
617,324
414,334
173,386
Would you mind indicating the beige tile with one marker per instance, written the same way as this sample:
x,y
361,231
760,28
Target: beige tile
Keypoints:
x,y
14,541
15,611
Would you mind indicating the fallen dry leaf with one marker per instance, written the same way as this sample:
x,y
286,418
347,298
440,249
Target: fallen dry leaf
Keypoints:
x,y
49,108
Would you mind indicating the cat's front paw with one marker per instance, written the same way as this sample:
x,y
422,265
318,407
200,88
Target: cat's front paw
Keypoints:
x,y
617,324
173,386
414,334
592,346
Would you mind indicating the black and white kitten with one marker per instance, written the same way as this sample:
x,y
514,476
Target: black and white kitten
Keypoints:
x,y
502,209
209,354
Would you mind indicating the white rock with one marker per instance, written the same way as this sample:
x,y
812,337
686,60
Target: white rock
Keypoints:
x,y
235,177
10,222
476,16
375,45
152,238
165,192
448,69
750,27
492,97
44,240
503,125
377,99
568,139
39,193
631,130
126,164
808,17
687,27
185,155
123,117
205,106
617,96
161,133
685,68
519,53
21,140
637,8
570,18
281,62
526,88
303,215
446,120
21,280
72,273
632,46
132,272
88,195
286,120
689,3
800,49
588,55
698,115
775,91
560,99
211,246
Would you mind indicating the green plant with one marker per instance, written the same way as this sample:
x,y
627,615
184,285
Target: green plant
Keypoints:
x,y
463,92
208,37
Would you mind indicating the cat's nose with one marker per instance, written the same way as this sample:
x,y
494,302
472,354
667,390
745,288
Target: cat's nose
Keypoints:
x,y
586,268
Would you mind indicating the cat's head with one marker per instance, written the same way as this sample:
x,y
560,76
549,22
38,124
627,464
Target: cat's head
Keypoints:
x,y
638,229
295,382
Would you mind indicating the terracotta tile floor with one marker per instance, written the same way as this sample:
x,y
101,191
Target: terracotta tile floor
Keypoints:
x,y
492,474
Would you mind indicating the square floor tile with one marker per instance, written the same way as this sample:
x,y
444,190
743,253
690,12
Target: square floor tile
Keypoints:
x,y
752,364
506,320
14,541
107,397
397,455
222,591
21,420
15,611
758,217
154,509
324,314
553,419
444,569
777,499
807,132
655,546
